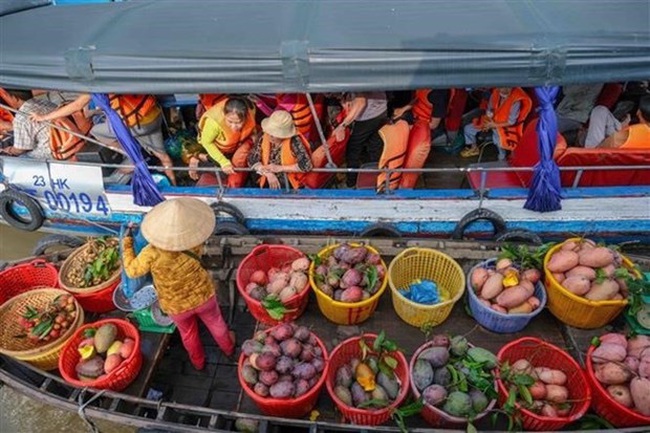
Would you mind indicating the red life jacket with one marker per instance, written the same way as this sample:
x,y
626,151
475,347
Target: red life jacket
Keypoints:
x,y
286,158
7,99
209,100
133,108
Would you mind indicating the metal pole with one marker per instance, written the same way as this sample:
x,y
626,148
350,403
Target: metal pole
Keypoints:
x,y
312,108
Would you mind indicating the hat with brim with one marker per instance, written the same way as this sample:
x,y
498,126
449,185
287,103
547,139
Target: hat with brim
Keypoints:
x,y
178,224
279,124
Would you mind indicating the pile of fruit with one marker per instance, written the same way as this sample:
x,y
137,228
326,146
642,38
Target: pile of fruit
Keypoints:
x,y
541,390
51,322
281,282
454,376
622,366
101,353
589,270
350,273
97,261
284,362
369,381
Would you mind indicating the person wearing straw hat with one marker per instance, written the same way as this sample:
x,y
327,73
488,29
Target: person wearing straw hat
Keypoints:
x,y
176,230
283,155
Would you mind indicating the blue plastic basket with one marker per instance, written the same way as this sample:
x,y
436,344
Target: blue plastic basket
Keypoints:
x,y
500,322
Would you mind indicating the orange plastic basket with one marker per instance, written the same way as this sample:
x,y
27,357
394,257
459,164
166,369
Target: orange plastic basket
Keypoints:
x,y
117,379
608,408
263,258
542,354
27,276
575,310
346,313
343,354
287,407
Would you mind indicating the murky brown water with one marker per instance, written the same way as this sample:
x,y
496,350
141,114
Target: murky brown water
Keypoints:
x,y
19,414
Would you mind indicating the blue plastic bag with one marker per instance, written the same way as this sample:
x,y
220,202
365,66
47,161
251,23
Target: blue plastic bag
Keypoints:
x,y
131,285
423,292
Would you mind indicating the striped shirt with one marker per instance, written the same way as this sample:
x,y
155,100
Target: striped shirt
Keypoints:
x,y
30,135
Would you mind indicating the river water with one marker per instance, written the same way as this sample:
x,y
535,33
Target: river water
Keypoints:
x,y
19,414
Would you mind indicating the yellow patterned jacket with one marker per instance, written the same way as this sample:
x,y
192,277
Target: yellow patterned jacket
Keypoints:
x,y
181,282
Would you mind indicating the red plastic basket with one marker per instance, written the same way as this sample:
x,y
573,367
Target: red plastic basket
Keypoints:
x,y
265,257
341,355
291,407
100,301
542,354
437,417
608,408
25,277
117,379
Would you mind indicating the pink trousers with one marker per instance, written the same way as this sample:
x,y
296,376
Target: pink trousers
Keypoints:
x,y
210,315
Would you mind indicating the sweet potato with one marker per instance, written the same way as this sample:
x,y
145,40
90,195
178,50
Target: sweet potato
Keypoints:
x,y
596,257
533,275
602,291
578,285
608,270
585,271
299,281
492,287
498,308
644,366
534,302
608,352
559,276
301,264
503,264
557,393
552,377
632,362
287,293
614,338
529,286
478,278
538,390
621,394
611,373
640,390
524,308
562,261
522,366
637,344
276,286
548,411
570,246
513,297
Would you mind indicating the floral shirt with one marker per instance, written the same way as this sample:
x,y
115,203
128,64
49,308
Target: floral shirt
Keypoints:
x,y
298,150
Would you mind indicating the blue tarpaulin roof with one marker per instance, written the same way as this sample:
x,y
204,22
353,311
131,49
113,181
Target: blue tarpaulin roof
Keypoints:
x,y
174,46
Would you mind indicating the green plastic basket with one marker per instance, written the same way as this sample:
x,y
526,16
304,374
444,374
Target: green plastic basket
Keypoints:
x,y
147,323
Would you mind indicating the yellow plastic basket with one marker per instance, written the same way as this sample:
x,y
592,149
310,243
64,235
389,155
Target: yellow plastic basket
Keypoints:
x,y
426,264
345,313
575,310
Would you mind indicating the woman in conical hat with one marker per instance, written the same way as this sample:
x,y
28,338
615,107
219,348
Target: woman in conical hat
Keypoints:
x,y
176,230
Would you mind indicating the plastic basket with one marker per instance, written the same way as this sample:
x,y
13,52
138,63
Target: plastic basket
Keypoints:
x,y
100,301
542,354
147,322
345,313
341,355
65,269
494,320
431,414
27,276
575,310
425,263
43,356
117,379
286,407
608,408
265,257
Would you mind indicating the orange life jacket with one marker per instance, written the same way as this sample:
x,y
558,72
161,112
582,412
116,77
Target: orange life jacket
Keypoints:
x,y
7,99
209,100
423,108
286,158
395,138
638,137
229,140
417,151
298,106
509,135
133,108
63,144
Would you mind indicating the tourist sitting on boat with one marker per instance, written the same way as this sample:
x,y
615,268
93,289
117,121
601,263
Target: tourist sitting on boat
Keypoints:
x,y
140,113
605,131
176,230
11,100
365,114
31,139
226,131
503,120
282,155
576,105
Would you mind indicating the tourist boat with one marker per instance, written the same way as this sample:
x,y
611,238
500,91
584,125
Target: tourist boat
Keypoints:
x,y
317,47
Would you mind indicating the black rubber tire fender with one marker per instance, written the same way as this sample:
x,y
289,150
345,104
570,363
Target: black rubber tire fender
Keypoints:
x,y
228,209
520,235
380,230
55,240
11,196
230,228
479,214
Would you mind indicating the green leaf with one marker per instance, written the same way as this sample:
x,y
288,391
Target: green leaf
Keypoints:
x,y
364,349
373,402
595,341
523,379
390,361
512,398
373,277
315,259
471,428
525,394
379,341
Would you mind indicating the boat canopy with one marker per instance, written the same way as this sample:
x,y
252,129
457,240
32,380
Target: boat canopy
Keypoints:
x,y
251,46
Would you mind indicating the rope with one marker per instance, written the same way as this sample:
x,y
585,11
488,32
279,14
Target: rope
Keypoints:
x,y
82,406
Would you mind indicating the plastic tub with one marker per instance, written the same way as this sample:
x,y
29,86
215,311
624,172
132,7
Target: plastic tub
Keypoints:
x,y
27,276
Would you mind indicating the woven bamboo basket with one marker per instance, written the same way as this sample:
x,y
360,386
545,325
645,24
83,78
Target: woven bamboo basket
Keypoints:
x,y
71,261
44,356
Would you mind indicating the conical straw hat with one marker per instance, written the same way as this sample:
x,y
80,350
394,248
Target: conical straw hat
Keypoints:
x,y
178,224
